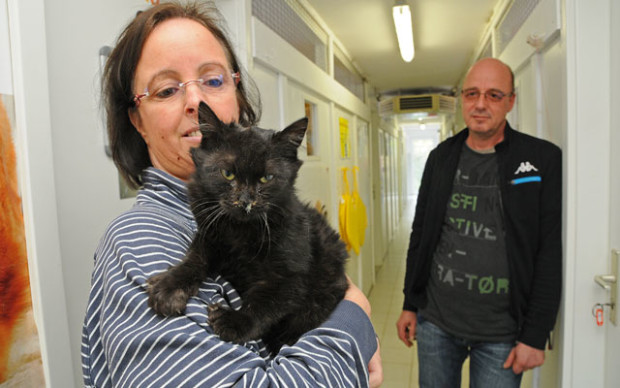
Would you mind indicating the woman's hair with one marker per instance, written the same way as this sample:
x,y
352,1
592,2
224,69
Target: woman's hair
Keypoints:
x,y
129,150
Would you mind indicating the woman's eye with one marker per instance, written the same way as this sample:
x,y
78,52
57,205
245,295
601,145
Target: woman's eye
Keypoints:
x,y
266,178
227,174
167,91
213,81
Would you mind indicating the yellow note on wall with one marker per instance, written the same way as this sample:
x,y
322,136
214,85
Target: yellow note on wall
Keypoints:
x,y
344,137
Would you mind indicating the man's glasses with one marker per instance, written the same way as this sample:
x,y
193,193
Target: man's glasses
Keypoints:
x,y
168,90
492,95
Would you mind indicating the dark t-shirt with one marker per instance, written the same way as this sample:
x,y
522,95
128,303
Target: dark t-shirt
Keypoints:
x,y
468,290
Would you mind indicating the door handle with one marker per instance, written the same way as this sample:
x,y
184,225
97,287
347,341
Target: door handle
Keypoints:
x,y
605,281
610,283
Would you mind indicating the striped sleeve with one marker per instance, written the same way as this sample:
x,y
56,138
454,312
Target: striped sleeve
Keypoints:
x,y
125,344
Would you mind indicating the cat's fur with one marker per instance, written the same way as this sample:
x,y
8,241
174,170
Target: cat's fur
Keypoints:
x,y
281,255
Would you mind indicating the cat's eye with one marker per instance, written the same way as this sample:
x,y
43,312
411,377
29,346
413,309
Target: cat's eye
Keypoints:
x,y
266,178
227,174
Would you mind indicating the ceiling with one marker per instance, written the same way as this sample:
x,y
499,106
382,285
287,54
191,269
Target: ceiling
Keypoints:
x,y
445,32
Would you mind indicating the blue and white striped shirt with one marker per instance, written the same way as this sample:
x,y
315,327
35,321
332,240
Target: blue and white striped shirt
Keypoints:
x,y
125,344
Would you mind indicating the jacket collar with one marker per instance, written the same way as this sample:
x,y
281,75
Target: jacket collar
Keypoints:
x,y
508,134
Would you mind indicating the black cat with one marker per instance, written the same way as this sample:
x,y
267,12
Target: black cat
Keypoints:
x,y
281,255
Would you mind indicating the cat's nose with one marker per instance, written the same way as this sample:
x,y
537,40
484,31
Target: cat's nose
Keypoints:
x,y
246,201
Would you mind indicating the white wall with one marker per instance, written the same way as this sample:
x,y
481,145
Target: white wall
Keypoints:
x,y
86,180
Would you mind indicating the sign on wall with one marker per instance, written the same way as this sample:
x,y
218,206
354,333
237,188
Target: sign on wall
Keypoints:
x,y
344,137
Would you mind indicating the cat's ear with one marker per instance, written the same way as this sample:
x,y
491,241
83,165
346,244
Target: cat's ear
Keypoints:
x,y
207,119
210,125
294,133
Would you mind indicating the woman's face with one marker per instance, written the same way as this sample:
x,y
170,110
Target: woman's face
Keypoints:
x,y
179,50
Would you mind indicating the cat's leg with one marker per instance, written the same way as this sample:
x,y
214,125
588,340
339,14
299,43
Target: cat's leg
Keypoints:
x,y
263,306
169,291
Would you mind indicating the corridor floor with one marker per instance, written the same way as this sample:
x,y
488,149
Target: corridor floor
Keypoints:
x,y
386,299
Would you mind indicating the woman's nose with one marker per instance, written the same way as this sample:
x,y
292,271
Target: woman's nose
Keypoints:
x,y
193,97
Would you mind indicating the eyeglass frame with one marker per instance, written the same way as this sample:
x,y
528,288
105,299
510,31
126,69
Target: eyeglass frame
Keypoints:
x,y
486,94
137,98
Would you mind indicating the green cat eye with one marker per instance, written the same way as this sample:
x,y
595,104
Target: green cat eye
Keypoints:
x,y
227,174
266,178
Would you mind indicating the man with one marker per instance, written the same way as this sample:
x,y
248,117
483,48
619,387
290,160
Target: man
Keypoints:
x,y
484,263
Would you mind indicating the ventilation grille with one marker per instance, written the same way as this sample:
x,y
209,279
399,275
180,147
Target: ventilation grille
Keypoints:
x,y
386,107
421,102
348,79
513,20
429,103
292,23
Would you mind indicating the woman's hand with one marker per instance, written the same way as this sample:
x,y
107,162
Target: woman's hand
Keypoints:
x,y
355,295
375,368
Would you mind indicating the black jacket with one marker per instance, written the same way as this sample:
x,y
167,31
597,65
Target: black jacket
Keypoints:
x,y
532,222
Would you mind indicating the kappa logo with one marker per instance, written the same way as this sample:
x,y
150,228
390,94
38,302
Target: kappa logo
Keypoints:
x,y
525,167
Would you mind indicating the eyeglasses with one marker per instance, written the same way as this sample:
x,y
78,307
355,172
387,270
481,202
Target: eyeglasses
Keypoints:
x,y
168,90
492,95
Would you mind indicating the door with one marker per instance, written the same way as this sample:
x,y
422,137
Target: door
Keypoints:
x,y
590,353
612,348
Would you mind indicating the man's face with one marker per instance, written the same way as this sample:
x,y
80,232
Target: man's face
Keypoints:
x,y
487,98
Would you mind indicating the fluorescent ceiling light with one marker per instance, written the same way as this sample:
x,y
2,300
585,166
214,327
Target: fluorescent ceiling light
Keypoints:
x,y
404,31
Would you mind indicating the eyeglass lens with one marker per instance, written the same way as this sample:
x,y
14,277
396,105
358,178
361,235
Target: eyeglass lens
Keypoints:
x,y
490,95
164,90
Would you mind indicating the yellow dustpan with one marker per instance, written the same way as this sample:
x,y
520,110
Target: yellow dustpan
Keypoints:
x,y
356,220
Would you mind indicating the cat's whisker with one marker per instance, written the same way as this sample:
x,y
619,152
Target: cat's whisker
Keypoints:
x,y
207,214
215,217
267,229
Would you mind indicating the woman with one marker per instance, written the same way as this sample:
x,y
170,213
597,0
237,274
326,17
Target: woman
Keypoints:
x,y
166,61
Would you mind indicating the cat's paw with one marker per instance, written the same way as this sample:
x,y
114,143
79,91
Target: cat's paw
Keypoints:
x,y
230,325
166,297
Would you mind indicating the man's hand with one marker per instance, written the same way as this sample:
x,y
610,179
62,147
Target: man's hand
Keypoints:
x,y
523,357
406,327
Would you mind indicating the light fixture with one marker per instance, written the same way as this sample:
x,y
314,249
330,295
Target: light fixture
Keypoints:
x,y
404,31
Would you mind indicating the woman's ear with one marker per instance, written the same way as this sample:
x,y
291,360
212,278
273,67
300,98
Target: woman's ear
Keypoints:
x,y
134,117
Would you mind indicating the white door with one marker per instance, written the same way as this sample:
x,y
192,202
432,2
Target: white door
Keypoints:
x,y
590,353
612,348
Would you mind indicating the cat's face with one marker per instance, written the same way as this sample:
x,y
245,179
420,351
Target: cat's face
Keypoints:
x,y
245,174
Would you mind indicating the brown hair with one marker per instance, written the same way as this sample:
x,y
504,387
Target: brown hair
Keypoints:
x,y
129,151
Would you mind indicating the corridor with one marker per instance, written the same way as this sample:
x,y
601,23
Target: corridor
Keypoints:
x,y
400,367
386,298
